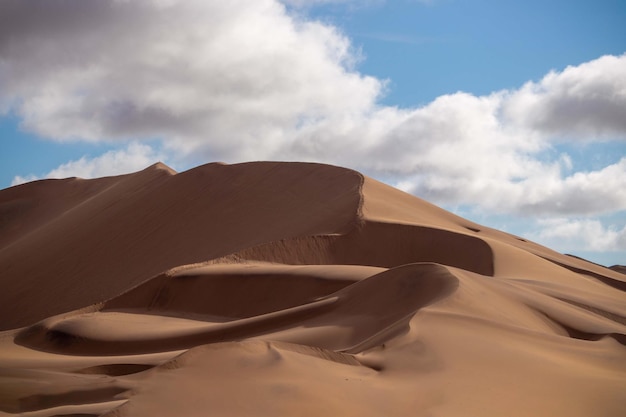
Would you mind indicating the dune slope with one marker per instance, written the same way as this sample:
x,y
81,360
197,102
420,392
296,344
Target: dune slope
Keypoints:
x,y
291,289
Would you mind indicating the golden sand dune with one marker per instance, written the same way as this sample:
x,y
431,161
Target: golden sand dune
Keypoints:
x,y
272,289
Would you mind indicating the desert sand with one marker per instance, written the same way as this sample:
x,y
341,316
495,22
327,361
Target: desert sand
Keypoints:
x,y
291,289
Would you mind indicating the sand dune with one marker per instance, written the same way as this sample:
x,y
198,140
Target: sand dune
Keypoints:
x,y
272,289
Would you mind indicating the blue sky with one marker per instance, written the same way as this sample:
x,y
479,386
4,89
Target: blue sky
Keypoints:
x,y
432,48
510,113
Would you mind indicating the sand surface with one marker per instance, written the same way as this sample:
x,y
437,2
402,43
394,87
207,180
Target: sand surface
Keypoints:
x,y
291,289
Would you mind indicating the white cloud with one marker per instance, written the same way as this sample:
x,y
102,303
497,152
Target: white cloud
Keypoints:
x,y
543,190
247,80
602,191
18,179
219,77
584,101
133,158
573,235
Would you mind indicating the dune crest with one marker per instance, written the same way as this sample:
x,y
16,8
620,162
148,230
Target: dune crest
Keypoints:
x,y
214,290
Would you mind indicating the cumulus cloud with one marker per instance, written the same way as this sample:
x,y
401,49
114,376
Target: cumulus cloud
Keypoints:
x,y
545,189
584,101
219,76
602,191
134,157
581,235
249,80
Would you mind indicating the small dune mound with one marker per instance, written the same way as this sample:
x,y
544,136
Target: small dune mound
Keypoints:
x,y
618,268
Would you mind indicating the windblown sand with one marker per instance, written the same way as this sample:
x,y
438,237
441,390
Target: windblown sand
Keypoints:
x,y
291,289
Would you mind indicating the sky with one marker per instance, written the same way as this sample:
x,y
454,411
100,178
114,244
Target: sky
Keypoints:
x,y
509,113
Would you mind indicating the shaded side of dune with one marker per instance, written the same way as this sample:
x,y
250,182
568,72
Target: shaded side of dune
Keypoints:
x,y
227,292
355,318
27,207
378,244
92,249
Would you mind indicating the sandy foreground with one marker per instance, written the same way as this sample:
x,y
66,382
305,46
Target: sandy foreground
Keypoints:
x,y
291,289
